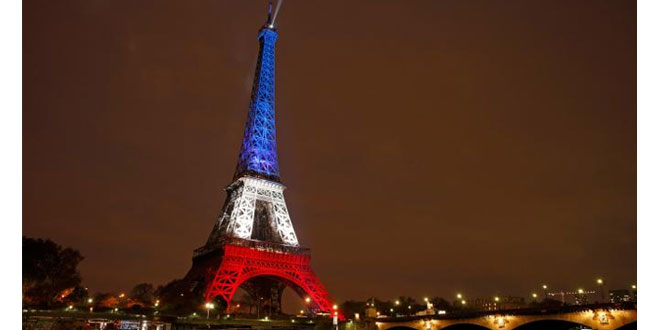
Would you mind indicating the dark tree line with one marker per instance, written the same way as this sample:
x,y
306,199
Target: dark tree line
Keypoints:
x,y
50,274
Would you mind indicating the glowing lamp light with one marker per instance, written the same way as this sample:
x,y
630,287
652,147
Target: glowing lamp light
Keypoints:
x,y
534,295
463,302
459,296
397,303
308,299
209,305
89,301
599,281
334,307
634,287
580,291
426,299
497,298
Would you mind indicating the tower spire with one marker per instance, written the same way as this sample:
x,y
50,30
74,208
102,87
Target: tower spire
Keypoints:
x,y
258,155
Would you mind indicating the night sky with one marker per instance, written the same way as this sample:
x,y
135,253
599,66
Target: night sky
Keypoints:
x,y
428,147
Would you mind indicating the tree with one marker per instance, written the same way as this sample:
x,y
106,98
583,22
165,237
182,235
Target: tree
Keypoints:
x,y
441,304
143,293
106,300
50,272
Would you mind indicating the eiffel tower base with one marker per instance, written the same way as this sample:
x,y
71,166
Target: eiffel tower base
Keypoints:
x,y
264,273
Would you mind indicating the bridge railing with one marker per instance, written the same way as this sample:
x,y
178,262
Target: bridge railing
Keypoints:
x,y
546,310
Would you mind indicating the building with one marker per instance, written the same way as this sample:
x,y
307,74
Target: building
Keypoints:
x,y
579,297
497,303
620,295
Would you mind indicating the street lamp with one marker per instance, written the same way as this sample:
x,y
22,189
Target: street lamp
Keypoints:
x,y
459,296
600,282
209,306
397,303
581,295
463,302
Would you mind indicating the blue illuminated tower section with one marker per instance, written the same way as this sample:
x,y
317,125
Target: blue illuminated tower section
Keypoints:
x,y
258,155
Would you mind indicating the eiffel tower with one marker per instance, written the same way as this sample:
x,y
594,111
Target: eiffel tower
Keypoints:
x,y
253,244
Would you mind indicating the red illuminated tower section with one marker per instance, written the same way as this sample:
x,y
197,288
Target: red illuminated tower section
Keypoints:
x,y
253,244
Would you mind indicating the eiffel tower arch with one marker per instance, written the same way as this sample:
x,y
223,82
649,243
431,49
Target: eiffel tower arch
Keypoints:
x,y
253,244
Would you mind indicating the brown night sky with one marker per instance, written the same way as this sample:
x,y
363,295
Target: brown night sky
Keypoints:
x,y
427,146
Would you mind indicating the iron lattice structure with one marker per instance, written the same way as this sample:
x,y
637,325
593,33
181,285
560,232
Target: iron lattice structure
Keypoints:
x,y
293,269
253,244
258,154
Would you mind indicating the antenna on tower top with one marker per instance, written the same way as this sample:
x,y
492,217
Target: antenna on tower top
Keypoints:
x,y
271,21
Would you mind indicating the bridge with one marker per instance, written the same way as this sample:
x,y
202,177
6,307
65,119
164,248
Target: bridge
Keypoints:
x,y
598,317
